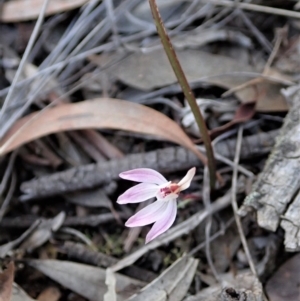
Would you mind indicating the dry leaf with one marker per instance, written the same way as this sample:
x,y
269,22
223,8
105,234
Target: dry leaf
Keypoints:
x,y
51,293
98,113
43,232
285,283
4,249
6,282
147,71
91,198
85,280
24,10
19,294
243,113
172,284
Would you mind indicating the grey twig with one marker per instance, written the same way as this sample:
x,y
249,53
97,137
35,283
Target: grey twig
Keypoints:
x,y
71,221
234,201
164,160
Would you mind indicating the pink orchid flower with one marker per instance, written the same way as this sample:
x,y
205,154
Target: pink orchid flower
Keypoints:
x,y
163,211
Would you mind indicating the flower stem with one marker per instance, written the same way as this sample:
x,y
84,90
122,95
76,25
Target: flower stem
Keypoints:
x,y
188,93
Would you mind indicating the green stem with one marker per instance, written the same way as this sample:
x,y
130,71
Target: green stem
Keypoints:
x,y
188,93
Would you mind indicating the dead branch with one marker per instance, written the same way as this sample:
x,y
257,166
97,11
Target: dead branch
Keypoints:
x,y
164,160
70,221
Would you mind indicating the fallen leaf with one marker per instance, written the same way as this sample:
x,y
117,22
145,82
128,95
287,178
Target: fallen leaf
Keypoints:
x,y
24,10
91,198
172,284
51,293
98,113
289,62
243,113
43,232
285,283
6,282
148,71
4,249
267,96
19,294
85,280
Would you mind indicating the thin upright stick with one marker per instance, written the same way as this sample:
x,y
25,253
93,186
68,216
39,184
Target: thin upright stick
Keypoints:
x,y
234,202
188,93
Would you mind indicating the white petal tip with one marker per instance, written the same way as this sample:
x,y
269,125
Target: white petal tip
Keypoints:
x,y
121,175
193,171
131,223
128,225
187,179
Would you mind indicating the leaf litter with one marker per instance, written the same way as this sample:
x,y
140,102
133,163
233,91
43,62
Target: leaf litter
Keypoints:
x,y
96,96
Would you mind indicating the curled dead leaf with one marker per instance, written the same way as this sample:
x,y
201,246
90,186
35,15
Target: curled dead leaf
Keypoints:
x,y
97,113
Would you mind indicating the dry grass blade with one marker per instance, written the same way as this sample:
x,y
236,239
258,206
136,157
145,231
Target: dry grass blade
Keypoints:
x,y
98,113
234,202
172,284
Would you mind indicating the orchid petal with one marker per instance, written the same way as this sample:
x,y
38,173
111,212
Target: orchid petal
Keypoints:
x,y
185,182
145,175
165,222
138,193
148,215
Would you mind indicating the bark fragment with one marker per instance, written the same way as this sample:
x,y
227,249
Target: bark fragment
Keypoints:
x,y
275,194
